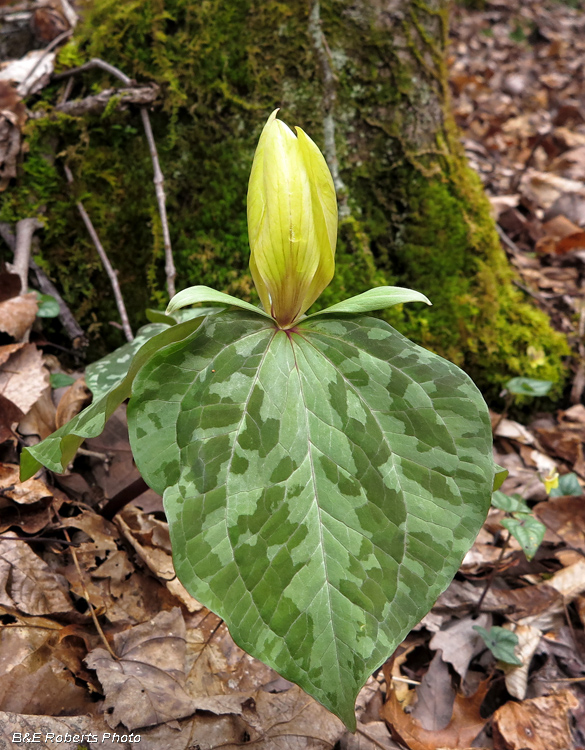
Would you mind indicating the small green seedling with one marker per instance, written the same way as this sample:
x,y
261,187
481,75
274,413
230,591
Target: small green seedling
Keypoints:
x,y
501,642
520,522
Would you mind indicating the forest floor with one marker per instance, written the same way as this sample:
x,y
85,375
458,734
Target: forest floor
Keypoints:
x,y
77,584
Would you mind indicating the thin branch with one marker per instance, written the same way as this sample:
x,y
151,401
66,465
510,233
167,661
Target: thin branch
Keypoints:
x,y
97,103
158,178
95,62
25,229
106,262
24,90
71,326
159,183
492,574
96,622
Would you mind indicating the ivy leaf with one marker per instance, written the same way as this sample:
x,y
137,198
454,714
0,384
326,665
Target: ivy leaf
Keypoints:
x,y
568,485
509,503
527,530
56,451
528,386
501,642
374,299
60,380
48,306
322,485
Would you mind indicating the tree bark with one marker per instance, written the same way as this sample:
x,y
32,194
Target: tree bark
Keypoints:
x,y
366,79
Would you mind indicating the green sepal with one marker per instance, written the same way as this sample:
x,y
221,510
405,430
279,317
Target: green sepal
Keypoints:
x,y
374,299
56,451
322,485
195,294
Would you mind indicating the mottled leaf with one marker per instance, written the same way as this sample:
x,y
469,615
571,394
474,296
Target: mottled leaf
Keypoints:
x,y
322,485
109,371
374,299
57,450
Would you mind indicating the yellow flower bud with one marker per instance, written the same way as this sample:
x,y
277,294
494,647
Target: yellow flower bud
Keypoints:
x,y
292,222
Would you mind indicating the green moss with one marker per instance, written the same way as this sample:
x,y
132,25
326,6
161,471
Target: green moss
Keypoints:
x,y
418,216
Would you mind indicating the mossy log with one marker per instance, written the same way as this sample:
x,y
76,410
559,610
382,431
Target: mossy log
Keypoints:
x,y
367,81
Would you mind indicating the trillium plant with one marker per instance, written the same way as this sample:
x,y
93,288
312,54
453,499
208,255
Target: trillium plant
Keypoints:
x,y
322,475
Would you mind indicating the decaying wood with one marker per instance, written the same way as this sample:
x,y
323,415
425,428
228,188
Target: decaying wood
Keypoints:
x,y
97,103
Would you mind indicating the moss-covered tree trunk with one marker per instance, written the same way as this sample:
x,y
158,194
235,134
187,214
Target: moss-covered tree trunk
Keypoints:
x,y
368,81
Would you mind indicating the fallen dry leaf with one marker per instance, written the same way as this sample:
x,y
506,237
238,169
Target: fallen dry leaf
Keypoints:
x,y
40,419
27,584
536,724
18,314
465,724
565,517
371,736
145,684
23,493
151,540
34,673
75,398
459,642
23,378
517,677
434,696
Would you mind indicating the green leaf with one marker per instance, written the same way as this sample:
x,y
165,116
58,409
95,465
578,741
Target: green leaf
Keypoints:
x,y
501,642
322,486
509,503
568,485
109,371
180,316
500,477
195,294
528,386
56,451
60,380
159,316
48,306
527,530
374,299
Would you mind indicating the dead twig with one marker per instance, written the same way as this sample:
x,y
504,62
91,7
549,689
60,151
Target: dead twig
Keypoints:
x,y
97,103
71,326
159,186
25,229
158,178
492,574
113,276
24,90
96,622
